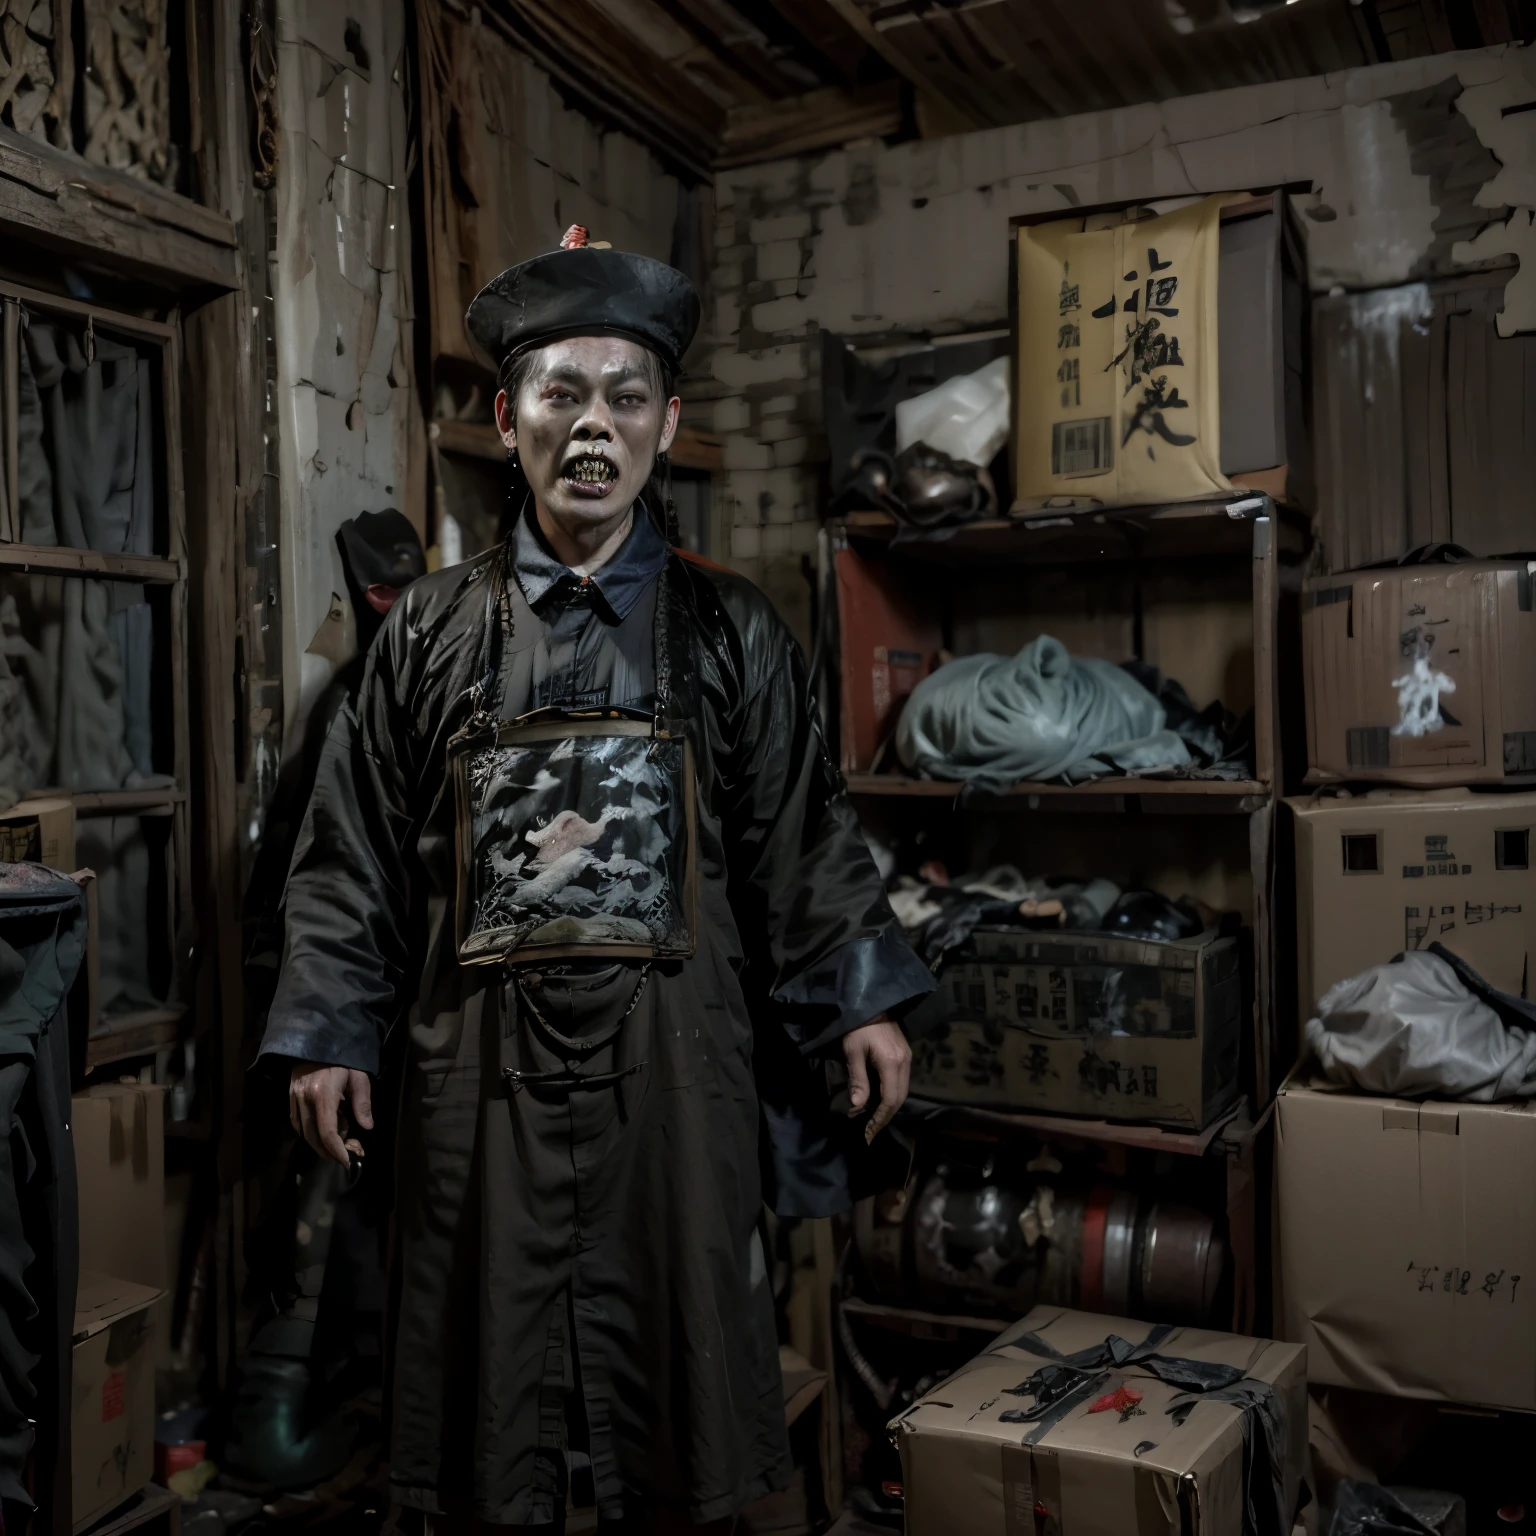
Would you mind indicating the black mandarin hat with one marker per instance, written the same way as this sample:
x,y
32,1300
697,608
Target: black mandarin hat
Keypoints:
x,y
381,549
583,290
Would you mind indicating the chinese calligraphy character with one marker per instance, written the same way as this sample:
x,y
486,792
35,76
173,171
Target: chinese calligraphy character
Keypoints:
x,y
1070,335
1038,1065
1149,348
1071,386
1067,299
1148,415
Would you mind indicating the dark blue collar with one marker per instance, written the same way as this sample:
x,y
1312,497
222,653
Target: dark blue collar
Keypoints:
x,y
620,584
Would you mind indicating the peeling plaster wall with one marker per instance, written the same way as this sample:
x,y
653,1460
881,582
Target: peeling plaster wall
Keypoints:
x,y
914,240
343,307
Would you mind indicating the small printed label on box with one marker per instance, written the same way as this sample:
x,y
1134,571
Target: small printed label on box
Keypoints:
x,y
113,1392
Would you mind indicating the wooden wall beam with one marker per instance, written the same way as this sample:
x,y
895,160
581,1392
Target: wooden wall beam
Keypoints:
x,y
55,199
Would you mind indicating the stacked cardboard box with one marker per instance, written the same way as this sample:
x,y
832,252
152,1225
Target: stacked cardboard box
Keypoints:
x,y
1086,1024
122,1313
112,1417
1406,1228
1097,1426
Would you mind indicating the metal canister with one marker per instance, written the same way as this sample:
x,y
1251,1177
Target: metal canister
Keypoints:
x,y
994,1248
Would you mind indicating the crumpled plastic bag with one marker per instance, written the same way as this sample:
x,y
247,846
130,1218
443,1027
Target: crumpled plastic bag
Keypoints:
x,y
991,721
965,417
1367,1509
1425,1025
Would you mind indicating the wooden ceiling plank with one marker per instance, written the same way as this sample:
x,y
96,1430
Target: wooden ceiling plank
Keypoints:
x,y
1080,29
802,125
1347,51
828,35
1438,25
749,59
956,104
1281,36
1031,41
963,63
672,117
1494,21
1135,30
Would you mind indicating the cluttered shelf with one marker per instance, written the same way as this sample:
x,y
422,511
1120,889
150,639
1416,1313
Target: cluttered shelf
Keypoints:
x,y
1231,1131
1178,530
1235,797
127,802
918,1322
48,560
127,1035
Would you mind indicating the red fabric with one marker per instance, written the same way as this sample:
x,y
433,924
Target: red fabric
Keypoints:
x,y
1118,1400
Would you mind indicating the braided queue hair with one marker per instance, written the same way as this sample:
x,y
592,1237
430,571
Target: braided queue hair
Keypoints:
x,y
511,377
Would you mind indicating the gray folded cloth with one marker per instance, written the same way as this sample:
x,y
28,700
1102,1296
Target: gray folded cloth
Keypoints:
x,y
992,721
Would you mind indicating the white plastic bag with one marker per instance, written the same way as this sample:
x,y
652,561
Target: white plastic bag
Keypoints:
x,y
1412,1029
965,417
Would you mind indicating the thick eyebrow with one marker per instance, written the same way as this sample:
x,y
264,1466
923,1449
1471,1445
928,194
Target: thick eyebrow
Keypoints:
x,y
567,373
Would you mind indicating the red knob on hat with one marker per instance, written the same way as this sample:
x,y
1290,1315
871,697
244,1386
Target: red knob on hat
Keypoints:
x,y
574,238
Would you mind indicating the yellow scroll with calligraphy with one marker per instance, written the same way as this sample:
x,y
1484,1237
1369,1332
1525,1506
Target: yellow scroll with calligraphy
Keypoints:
x,y
1117,401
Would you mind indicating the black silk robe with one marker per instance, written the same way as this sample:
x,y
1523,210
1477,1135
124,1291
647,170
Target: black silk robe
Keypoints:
x,y
606,1240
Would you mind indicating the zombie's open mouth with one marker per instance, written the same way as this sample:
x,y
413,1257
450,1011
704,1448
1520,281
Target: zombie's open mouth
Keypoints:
x,y
590,475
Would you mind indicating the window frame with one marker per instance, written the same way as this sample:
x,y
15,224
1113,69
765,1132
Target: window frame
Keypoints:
x,y
146,1031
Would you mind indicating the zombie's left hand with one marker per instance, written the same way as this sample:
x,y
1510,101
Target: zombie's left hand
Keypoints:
x,y
880,1049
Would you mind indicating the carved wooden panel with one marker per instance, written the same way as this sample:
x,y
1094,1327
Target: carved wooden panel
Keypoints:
x,y
36,68
128,88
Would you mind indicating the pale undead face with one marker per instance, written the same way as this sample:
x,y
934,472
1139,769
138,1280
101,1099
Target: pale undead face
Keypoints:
x,y
587,416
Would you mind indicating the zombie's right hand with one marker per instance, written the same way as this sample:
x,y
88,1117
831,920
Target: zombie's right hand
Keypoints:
x,y
315,1093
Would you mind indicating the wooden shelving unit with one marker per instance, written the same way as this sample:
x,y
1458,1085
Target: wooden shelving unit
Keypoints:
x,y
916,1323
892,580
1234,797
1231,1130
43,560
125,1036
128,802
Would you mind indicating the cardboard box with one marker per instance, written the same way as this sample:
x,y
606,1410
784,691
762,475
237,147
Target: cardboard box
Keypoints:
x,y
1423,419
1393,870
1237,367
39,832
1422,674
119,1137
112,1420
1094,1470
1086,1024
1407,1244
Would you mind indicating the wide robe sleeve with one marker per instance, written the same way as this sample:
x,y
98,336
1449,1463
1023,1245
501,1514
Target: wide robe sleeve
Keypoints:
x,y
346,971
803,880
